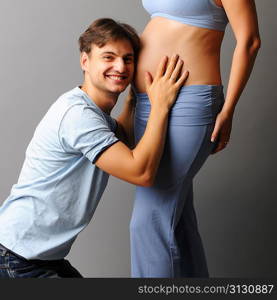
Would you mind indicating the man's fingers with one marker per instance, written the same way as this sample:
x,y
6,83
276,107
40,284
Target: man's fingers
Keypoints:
x,y
171,66
182,78
162,66
177,70
148,79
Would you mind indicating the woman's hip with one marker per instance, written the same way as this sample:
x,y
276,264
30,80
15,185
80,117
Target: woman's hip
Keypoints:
x,y
195,105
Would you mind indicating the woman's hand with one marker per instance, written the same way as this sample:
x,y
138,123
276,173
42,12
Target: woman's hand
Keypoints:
x,y
222,131
163,88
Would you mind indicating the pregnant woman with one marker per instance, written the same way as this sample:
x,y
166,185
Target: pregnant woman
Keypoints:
x,y
165,240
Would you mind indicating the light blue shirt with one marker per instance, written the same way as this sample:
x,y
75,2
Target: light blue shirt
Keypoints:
x,y
59,187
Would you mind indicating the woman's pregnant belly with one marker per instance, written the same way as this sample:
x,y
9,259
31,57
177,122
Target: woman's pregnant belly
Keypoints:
x,y
199,48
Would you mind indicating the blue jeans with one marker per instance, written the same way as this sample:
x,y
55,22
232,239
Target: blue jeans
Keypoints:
x,y
14,266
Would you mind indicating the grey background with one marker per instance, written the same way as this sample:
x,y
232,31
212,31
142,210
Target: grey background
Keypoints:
x,y
235,192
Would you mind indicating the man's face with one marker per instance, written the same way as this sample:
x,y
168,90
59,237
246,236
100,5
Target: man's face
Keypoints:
x,y
110,69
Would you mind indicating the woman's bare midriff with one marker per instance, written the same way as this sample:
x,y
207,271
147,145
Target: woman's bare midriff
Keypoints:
x,y
199,48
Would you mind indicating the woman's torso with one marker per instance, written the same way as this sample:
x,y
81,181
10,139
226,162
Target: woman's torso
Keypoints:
x,y
198,47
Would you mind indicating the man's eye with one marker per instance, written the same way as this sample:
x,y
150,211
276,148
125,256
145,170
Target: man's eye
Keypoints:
x,y
108,57
129,60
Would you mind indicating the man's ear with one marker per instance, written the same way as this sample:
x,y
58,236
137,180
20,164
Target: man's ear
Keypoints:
x,y
84,61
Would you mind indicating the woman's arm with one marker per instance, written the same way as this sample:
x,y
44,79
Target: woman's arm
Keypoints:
x,y
243,20
125,120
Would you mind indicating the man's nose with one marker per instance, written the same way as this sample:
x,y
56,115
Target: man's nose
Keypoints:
x,y
120,65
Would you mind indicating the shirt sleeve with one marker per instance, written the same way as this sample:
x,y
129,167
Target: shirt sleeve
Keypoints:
x,y
84,130
114,124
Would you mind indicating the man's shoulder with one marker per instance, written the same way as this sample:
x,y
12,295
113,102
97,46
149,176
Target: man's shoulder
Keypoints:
x,y
72,100
71,97
60,107
77,100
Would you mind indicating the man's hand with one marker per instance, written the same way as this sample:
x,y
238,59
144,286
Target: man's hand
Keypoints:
x,y
162,90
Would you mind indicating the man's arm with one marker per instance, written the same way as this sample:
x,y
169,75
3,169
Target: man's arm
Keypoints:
x,y
139,166
125,121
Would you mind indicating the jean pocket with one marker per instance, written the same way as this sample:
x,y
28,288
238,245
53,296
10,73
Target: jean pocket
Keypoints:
x,y
16,262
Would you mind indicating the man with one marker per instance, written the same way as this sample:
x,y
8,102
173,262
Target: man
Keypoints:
x,y
76,146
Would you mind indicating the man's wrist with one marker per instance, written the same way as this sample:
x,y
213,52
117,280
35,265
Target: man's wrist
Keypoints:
x,y
160,109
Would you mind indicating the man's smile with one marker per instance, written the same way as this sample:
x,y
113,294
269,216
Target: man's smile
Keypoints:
x,y
116,77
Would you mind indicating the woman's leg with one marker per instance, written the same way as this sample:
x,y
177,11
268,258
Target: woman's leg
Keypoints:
x,y
164,236
191,261
165,241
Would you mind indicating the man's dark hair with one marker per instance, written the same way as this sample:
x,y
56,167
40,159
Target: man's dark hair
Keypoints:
x,y
103,30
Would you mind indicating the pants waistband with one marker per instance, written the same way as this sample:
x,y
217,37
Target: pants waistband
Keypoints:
x,y
3,249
